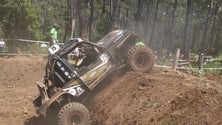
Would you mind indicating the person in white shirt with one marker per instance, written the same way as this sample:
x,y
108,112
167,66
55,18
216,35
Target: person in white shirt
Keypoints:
x,y
2,43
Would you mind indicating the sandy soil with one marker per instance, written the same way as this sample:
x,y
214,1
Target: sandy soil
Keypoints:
x,y
160,97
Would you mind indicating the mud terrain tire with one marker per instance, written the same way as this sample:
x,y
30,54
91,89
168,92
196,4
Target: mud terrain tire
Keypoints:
x,y
73,113
140,59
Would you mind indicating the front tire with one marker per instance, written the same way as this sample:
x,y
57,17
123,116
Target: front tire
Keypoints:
x,y
140,59
73,114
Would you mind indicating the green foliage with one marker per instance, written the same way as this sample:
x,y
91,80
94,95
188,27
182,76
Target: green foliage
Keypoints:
x,y
21,47
1,31
213,64
102,27
20,19
208,67
33,19
35,49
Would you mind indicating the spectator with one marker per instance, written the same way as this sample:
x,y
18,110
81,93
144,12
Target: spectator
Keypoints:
x,y
54,34
2,43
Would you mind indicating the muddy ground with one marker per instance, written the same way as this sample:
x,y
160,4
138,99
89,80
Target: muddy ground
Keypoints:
x,y
160,97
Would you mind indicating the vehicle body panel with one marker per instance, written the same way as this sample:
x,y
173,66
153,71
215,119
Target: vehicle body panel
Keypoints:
x,y
102,58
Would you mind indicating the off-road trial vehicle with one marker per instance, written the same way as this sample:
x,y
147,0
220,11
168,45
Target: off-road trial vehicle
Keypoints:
x,y
70,73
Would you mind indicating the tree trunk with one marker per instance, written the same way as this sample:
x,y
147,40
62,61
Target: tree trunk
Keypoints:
x,y
80,17
195,36
111,8
153,45
67,19
213,26
204,39
160,31
91,18
186,43
103,8
137,15
115,14
73,9
171,31
146,29
217,45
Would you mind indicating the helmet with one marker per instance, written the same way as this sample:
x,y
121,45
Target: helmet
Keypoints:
x,y
56,26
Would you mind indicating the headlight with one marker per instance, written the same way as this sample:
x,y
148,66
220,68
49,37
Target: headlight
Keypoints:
x,y
73,75
72,91
66,73
62,68
80,90
75,91
69,77
59,64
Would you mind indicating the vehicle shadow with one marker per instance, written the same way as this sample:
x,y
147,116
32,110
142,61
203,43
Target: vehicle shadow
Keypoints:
x,y
40,120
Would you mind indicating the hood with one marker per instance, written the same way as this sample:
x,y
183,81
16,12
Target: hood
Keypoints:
x,y
114,38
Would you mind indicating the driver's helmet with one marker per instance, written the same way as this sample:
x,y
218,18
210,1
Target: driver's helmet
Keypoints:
x,y
76,52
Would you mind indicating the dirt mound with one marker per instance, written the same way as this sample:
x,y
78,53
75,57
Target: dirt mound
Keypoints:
x,y
17,88
163,96
160,97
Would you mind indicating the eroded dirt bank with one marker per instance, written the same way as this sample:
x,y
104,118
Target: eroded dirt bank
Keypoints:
x,y
161,97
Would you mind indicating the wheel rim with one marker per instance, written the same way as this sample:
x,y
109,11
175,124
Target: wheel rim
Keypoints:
x,y
141,60
75,118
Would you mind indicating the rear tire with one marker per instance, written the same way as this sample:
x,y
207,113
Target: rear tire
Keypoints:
x,y
140,59
73,114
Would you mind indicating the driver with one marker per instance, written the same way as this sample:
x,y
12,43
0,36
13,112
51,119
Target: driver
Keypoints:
x,y
79,56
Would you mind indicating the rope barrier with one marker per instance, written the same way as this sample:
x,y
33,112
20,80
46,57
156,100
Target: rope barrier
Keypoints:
x,y
15,54
170,67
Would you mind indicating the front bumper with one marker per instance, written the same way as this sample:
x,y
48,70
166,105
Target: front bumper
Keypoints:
x,y
42,102
42,99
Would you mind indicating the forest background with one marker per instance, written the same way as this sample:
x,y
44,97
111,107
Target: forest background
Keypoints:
x,y
195,26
